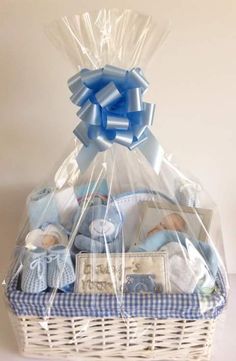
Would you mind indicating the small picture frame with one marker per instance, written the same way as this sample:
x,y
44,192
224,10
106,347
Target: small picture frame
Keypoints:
x,y
195,221
139,272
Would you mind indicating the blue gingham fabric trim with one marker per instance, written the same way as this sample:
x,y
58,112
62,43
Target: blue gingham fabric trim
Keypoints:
x,y
181,306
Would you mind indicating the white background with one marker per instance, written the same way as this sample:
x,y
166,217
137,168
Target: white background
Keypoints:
x,y
193,82
193,79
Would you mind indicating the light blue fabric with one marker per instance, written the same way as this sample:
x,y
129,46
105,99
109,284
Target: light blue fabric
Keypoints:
x,y
87,241
42,208
47,268
103,213
61,229
60,267
161,238
190,306
34,272
87,244
82,190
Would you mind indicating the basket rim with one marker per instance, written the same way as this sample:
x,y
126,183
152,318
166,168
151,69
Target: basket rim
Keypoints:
x,y
160,305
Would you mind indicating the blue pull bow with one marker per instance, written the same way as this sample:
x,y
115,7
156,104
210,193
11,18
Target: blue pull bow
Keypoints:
x,y
112,111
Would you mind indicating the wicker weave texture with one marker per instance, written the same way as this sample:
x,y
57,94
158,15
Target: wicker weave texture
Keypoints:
x,y
107,338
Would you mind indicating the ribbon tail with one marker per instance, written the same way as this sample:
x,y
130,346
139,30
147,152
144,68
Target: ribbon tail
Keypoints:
x,y
86,156
152,151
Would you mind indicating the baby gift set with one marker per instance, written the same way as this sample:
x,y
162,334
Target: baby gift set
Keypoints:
x,y
120,255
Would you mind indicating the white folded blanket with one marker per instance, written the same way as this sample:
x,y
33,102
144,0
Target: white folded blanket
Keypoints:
x,y
187,268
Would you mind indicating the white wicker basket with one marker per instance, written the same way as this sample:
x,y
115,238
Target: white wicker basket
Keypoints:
x,y
108,338
131,338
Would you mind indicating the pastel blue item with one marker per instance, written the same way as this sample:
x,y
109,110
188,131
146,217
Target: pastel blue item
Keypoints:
x,y
154,305
42,207
34,272
87,244
100,229
187,193
161,238
83,190
101,221
141,283
60,267
113,111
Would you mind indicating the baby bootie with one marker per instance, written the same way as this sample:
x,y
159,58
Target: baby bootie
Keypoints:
x,y
60,267
34,274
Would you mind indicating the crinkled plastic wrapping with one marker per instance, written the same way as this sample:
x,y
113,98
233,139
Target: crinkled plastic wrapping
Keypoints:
x,y
117,234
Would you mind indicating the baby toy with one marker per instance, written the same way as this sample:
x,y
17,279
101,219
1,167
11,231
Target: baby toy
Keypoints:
x,y
46,237
100,230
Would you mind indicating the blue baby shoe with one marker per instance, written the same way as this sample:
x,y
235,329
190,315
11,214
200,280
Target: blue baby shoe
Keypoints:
x,y
34,273
60,267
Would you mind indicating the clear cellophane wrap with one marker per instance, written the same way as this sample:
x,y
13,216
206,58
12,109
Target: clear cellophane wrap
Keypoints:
x,y
120,230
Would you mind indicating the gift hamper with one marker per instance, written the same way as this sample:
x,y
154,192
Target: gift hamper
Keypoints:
x,y
121,254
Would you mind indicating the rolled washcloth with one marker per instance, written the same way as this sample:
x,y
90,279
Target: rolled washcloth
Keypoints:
x,y
42,207
47,205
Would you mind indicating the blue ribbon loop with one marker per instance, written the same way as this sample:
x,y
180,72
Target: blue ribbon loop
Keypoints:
x,y
112,111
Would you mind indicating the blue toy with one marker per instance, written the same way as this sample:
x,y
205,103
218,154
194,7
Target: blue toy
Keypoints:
x,y
100,230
